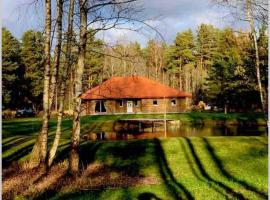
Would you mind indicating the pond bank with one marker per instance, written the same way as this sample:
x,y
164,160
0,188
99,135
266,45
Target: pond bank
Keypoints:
x,y
252,119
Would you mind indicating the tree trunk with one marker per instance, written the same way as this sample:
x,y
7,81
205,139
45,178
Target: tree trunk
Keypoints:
x,y
257,64
39,152
70,90
74,156
56,99
180,81
67,64
57,51
156,62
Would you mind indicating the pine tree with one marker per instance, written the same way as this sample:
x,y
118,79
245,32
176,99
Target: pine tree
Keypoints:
x,y
227,81
94,69
11,71
32,59
182,59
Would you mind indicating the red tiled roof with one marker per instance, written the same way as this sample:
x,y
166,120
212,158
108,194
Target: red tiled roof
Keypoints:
x,y
132,87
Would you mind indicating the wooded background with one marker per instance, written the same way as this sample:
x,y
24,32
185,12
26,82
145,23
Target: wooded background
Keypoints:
x,y
49,71
215,65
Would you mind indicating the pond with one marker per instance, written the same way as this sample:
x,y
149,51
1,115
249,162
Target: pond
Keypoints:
x,y
131,130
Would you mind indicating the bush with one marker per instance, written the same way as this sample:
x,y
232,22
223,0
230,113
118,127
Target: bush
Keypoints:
x,y
8,114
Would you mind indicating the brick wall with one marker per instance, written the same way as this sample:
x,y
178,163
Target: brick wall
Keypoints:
x,y
143,106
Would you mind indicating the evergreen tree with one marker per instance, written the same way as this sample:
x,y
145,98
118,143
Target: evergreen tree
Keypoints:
x,y
32,59
93,72
182,59
228,78
11,71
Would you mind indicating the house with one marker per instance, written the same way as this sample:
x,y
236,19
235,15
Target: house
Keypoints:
x,y
134,94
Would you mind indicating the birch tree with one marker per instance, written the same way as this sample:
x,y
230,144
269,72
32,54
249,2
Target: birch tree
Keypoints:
x,y
57,54
75,138
63,83
39,152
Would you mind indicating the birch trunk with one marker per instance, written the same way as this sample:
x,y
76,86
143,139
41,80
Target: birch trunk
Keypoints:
x,y
257,63
57,52
67,64
74,156
39,152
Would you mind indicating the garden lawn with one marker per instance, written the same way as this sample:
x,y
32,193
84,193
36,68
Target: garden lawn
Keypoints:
x,y
165,168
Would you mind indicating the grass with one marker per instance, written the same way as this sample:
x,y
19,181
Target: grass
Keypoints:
x,y
165,168
194,118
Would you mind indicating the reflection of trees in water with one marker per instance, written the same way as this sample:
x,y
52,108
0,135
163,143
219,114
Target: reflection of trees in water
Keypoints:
x,y
125,131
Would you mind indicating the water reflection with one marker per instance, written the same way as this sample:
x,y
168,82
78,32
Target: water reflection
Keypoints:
x,y
173,130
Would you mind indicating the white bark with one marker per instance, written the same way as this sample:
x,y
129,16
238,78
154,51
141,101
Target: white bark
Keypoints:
x,y
75,140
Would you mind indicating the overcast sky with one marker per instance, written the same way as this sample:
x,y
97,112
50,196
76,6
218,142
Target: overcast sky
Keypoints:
x,y
173,16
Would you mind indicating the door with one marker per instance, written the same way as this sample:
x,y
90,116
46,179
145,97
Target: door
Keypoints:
x,y
129,107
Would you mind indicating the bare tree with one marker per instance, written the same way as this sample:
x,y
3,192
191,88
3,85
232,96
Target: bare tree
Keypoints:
x,y
57,53
74,157
102,15
63,83
39,151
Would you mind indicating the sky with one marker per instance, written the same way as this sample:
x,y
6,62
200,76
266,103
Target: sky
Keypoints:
x,y
167,16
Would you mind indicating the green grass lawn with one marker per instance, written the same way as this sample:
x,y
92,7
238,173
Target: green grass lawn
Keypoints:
x,y
165,168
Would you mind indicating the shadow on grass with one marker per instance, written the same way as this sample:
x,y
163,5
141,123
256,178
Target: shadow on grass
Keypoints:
x,y
122,158
125,156
177,189
15,156
229,176
261,142
199,173
202,170
148,196
14,142
29,128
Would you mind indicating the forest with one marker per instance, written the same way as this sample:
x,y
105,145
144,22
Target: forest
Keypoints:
x,y
58,153
225,68
215,65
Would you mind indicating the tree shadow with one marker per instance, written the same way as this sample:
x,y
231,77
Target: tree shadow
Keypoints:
x,y
228,190
87,152
122,158
15,156
201,174
125,156
8,140
177,189
229,176
148,196
14,142
261,142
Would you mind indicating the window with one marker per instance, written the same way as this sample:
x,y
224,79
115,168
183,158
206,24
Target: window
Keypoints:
x,y
173,102
155,103
136,103
120,102
100,107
